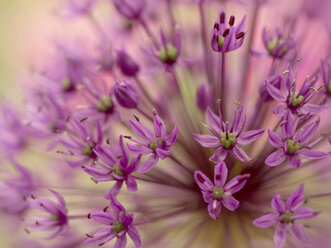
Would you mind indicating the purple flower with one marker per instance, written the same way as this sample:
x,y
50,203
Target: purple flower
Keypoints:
x,y
278,46
74,8
127,65
286,217
218,193
15,189
80,143
274,80
56,220
227,37
326,77
125,94
118,223
157,144
292,147
130,9
295,102
227,139
116,167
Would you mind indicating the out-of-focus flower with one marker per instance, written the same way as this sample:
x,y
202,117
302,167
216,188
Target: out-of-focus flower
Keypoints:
x,y
125,94
203,97
130,9
127,65
275,81
286,217
326,77
278,46
227,37
56,219
218,193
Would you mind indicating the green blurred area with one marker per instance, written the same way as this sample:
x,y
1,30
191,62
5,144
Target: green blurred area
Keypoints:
x,y
20,24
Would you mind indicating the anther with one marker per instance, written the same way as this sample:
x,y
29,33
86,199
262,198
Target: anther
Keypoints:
x,y
217,26
127,137
94,180
105,209
27,231
83,119
88,235
222,17
89,216
226,32
240,35
231,21
136,117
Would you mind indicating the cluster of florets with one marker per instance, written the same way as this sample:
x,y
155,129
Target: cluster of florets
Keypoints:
x,y
77,102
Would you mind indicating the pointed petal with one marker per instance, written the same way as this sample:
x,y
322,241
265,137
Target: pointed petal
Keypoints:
x,y
159,127
121,242
240,154
219,155
312,109
275,140
280,235
162,153
141,131
311,154
278,204
236,183
306,133
274,92
220,174
294,161
102,217
207,140
139,149
230,203
214,120
275,158
135,236
214,209
239,120
203,181
298,232
170,141
295,199
102,236
131,184
148,164
248,137
266,221
304,214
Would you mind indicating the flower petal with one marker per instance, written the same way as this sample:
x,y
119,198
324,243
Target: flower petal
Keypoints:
x,y
311,154
266,221
275,140
203,181
214,209
278,204
304,214
121,242
249,136
236,183
294,161
141,131
219,155
220,174
214,120
170,141
306,133
131,184
135,236
275,158
102,217
295,199
280,235
148,164
207,140
159,127
298,232
230,203
274,92
240,154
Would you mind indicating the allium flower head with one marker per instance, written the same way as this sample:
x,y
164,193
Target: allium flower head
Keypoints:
x,y
226,37
218,193
227,139
286,217
118,223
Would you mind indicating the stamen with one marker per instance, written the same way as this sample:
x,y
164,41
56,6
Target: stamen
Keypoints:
x,y
222,17
217,26
226,32
89,236
240,35
105,209
89,216
231,21
136,117
83,119
94,180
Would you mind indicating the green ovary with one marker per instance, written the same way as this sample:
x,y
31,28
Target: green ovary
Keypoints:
x,y
220,42
286,217
218,193
105,104
87,151
228,140
117,171
168,54
291,147
296,99
118,227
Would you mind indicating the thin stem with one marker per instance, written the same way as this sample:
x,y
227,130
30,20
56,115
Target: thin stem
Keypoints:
x,y
75,217
223,86
171,16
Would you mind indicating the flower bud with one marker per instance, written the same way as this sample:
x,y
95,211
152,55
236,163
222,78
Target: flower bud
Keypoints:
x,y
203,97
130,9
125,94
127,65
